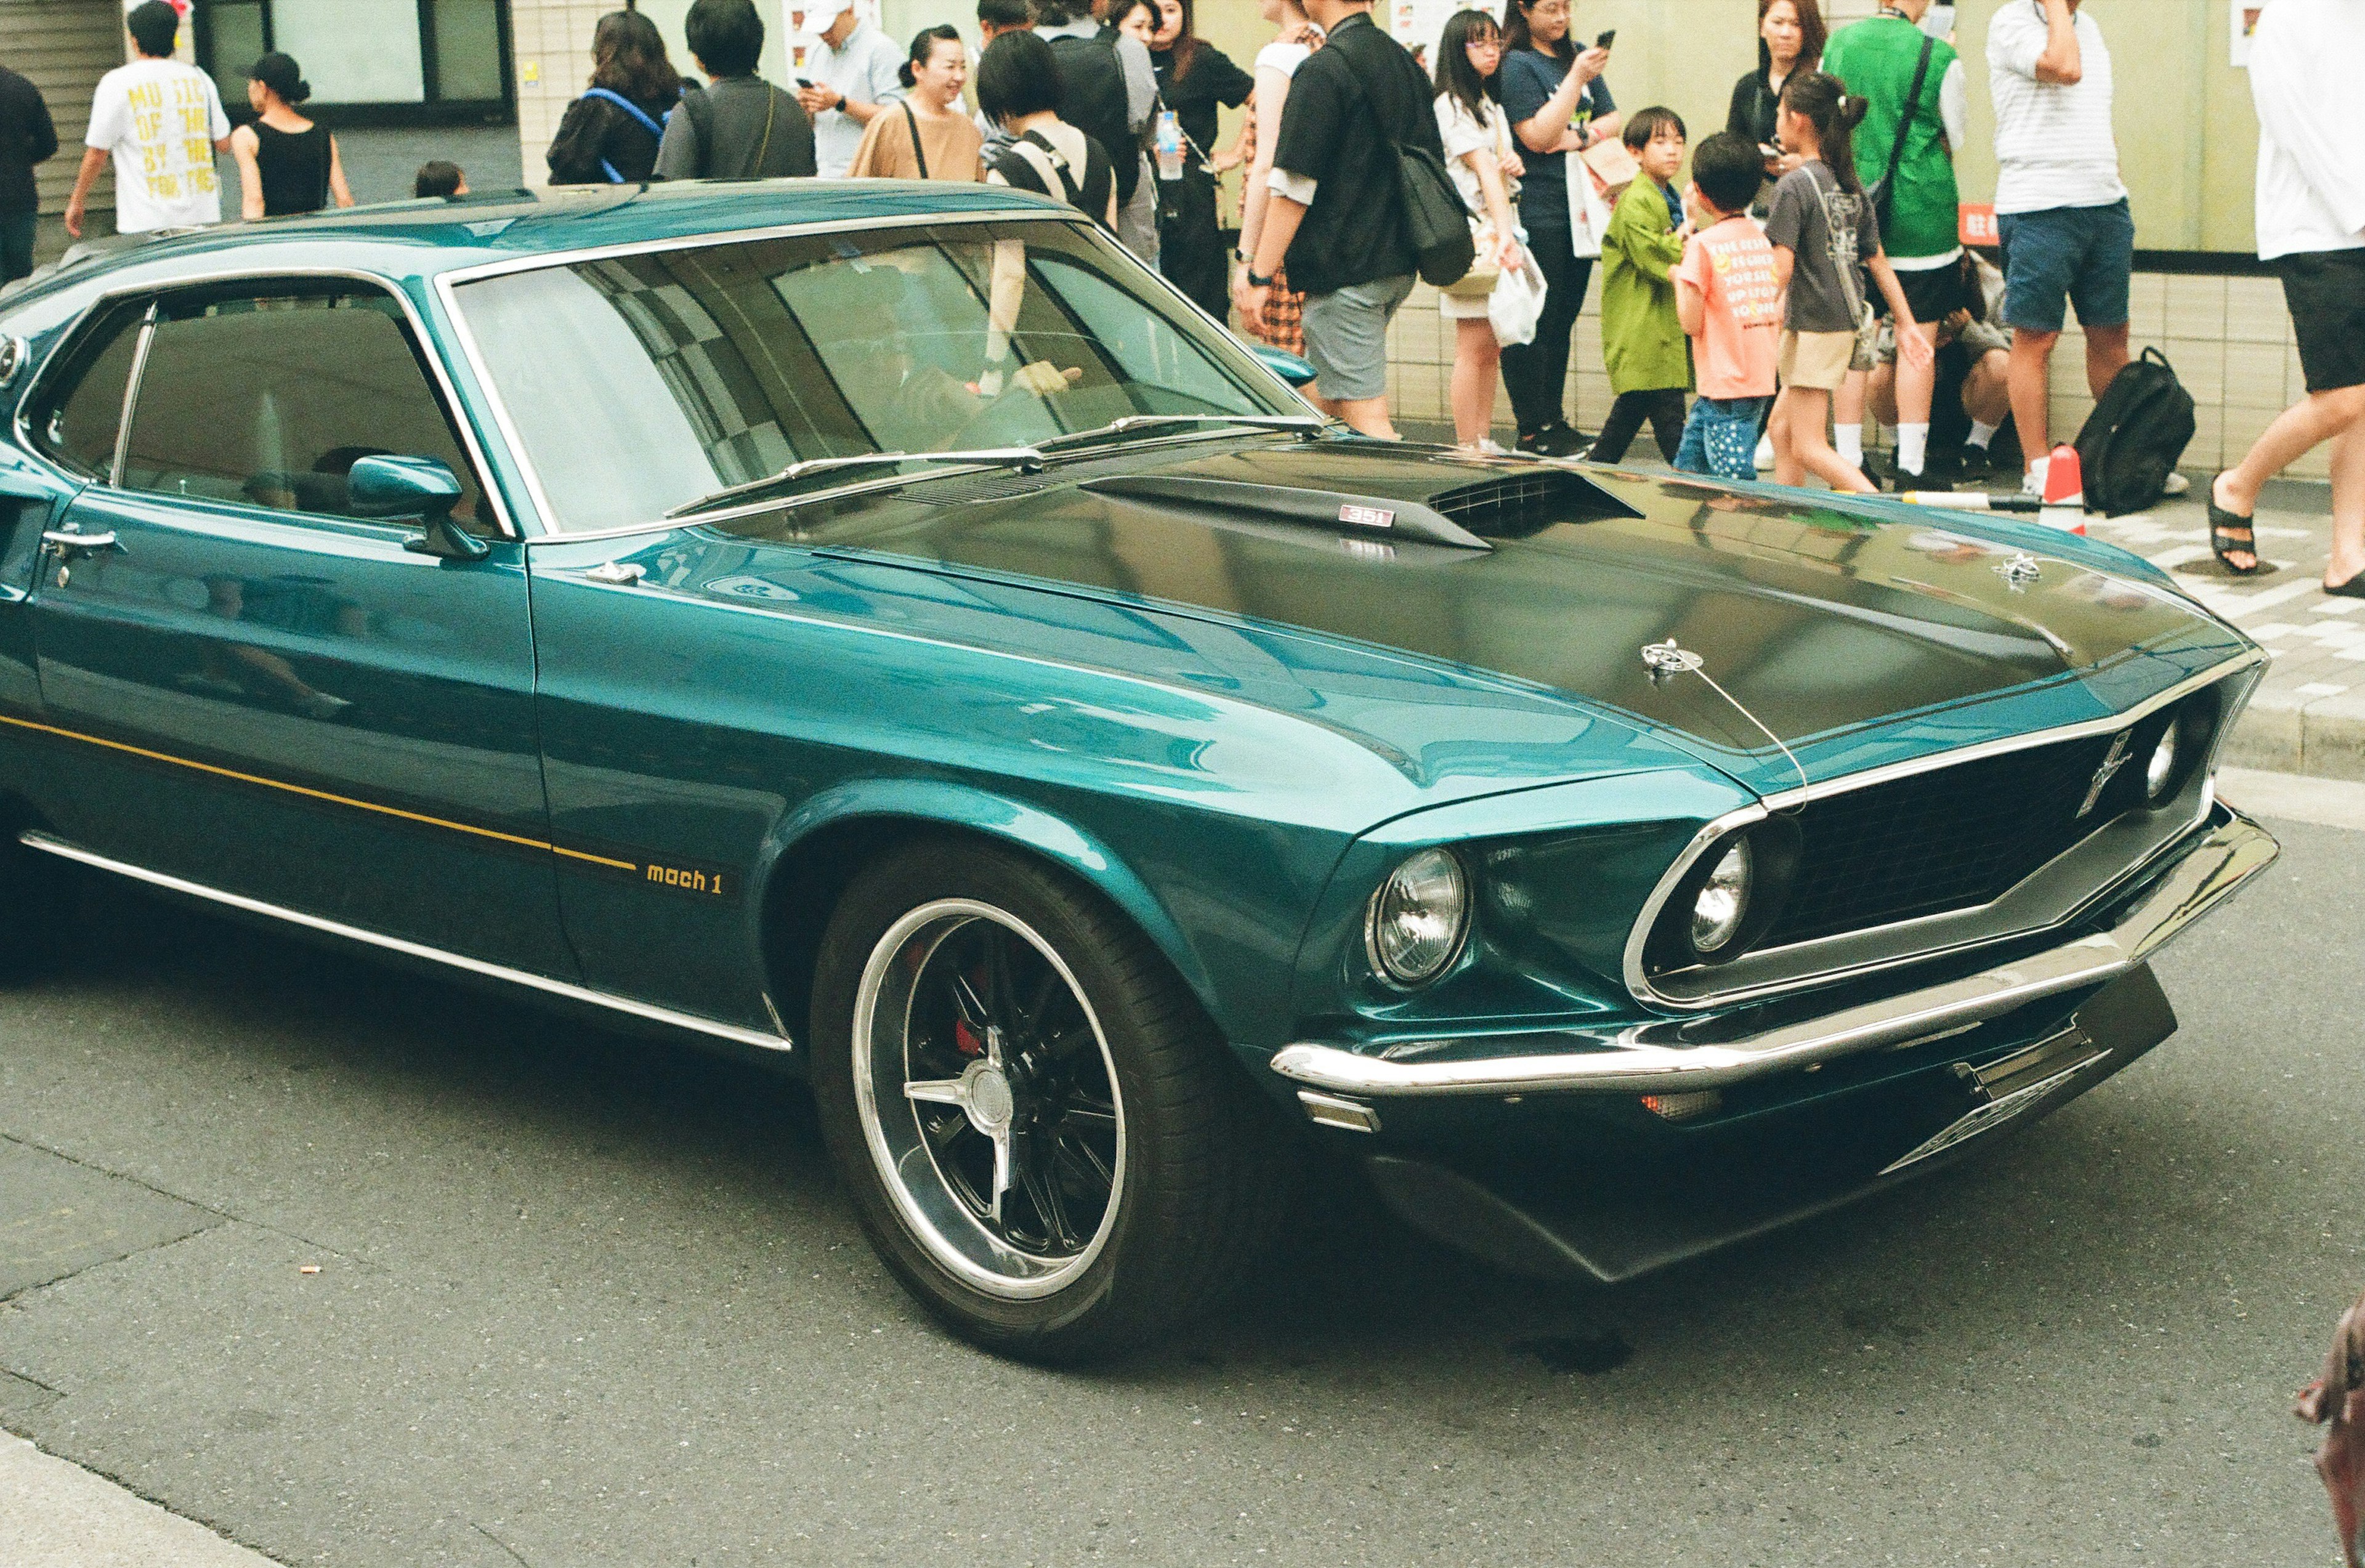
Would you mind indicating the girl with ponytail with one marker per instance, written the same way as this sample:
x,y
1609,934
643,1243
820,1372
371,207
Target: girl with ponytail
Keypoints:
x,y
1824,239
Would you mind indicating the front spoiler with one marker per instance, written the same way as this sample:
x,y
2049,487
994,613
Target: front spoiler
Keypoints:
x,y
1610,1215
1677,1056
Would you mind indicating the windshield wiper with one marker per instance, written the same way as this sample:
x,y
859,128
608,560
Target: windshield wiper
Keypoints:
x,y
1025,459
1309,423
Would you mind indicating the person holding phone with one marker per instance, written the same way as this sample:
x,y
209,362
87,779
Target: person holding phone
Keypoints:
x,y
1790,37
1558,104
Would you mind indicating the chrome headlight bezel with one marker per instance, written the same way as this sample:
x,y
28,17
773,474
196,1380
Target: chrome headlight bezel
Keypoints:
x,y
1448,882
1771,850
1721,904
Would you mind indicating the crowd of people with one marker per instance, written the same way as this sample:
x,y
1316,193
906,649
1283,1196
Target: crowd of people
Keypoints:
x,y
1809,270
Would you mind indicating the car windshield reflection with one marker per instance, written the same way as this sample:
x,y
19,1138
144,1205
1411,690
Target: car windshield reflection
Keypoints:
x,y
640,384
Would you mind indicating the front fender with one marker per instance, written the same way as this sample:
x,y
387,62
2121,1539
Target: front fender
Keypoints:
x,y
962,807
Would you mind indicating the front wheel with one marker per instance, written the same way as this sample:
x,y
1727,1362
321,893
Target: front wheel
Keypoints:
x,y
1039,1128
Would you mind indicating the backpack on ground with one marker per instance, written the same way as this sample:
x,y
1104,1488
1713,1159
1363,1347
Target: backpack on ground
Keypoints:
x,y
2135,436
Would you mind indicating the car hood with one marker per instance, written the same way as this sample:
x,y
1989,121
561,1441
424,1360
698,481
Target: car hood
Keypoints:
x,y
1812,618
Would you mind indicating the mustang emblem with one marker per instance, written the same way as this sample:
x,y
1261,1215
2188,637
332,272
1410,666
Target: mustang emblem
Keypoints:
x,y
2108,771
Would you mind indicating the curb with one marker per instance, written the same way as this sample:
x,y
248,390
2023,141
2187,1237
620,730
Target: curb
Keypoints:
x,y
2323,737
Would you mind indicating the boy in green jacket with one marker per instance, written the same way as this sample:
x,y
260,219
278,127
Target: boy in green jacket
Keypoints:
x,y
1641,337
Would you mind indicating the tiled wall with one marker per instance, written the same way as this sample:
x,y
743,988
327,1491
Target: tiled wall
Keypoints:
x,y
2229,338
551,39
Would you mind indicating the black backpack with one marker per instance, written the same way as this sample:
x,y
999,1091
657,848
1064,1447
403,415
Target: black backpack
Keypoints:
x,y
2135,436
1436,220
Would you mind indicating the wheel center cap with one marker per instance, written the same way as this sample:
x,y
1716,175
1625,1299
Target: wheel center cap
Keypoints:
x,y
989,1103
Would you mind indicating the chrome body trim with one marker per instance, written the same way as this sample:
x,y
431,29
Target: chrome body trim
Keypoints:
x,y
158,289
447,284
48,844
1678,1056
1638,980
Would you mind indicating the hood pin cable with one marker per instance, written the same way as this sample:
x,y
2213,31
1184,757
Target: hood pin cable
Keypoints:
x,y
1666,660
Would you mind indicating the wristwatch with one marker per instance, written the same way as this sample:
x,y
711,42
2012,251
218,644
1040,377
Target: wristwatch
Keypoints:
x,y
1256,282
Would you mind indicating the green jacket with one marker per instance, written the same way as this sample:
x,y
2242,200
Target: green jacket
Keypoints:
x,y
1875,60
1642,338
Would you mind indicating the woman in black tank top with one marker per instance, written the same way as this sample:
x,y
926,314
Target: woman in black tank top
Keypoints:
x,y
286,162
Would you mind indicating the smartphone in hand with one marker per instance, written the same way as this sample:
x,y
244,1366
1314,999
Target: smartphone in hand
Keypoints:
x,y
1606,39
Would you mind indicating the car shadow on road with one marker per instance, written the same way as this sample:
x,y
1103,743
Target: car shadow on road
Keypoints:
x,y
2040,1220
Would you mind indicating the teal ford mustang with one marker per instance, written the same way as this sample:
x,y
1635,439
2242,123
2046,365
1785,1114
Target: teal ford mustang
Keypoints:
x,y
883,627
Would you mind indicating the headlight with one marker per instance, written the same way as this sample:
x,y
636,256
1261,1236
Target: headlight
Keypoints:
x,y
1418,919
1723,902
2161,774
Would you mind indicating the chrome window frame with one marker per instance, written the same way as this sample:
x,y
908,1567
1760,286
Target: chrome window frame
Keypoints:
x,y
446,287
1962,923
158,289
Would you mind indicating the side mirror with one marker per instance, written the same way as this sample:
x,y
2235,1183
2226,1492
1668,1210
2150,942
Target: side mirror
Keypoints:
x,y
423,487
1284,363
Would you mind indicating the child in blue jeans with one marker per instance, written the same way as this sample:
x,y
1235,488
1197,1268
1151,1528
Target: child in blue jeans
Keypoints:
x,y
1730,302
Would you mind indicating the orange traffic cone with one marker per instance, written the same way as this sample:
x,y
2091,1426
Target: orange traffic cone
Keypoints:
x,y
2065,490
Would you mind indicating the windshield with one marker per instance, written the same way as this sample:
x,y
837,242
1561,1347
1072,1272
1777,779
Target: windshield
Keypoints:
x,y
638,384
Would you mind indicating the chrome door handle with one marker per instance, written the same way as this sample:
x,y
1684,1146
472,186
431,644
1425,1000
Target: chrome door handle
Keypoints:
x,y
617,574
70,544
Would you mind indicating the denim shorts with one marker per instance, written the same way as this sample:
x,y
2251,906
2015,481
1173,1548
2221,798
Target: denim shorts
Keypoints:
x,y
1347,337
2082,254
1720,437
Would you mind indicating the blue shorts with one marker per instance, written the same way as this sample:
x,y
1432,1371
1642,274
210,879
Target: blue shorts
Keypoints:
x,y
2083,254
1720,437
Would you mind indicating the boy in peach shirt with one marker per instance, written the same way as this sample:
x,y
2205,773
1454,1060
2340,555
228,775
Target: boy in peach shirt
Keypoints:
x,y
1731,305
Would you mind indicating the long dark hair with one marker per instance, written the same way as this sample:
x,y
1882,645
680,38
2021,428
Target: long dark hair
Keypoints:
x,y
923,45
1456,77
628,56
1517,36
1812,36
1825,104
1185,51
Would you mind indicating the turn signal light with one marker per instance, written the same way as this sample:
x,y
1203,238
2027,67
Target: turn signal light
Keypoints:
x,y
1684,1107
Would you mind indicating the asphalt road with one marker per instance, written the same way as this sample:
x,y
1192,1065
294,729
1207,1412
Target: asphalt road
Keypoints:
x,y
585,1299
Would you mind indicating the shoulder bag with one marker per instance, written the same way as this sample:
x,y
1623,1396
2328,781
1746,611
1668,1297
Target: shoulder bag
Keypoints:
x,y
912,123
1437,220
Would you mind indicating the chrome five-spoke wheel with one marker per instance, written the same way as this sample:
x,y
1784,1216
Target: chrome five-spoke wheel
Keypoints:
x,y
988,1097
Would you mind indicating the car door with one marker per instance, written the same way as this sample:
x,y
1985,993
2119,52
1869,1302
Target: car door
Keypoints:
x,y
254,687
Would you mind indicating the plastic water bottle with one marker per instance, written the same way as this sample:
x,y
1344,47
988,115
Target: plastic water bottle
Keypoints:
x,y
1169,142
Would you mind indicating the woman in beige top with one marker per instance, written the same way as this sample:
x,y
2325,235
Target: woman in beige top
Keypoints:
x,y
924,135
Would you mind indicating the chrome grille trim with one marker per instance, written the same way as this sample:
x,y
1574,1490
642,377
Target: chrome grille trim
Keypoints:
x,y
1638,978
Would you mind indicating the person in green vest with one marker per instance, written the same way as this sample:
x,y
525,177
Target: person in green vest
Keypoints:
x,y
1878,61
1642,336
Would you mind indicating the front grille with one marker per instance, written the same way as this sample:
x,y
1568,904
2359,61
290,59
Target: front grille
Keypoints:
x,y
1952,838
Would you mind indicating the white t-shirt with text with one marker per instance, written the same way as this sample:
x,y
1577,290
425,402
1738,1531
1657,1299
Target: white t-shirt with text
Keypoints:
x,y
161,120
2055,146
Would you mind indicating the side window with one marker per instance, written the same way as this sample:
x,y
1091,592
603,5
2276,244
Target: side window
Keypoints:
x,y
271,400
79,415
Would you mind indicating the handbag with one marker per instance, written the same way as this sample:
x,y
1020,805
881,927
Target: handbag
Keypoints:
x,y
1486,267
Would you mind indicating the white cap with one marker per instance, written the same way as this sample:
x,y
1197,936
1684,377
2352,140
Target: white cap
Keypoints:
x,y
819,14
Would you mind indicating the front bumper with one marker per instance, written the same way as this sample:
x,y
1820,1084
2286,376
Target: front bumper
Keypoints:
x,y
1678,1056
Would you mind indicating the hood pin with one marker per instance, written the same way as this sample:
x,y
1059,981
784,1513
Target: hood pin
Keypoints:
x,y
2020,571
1666,660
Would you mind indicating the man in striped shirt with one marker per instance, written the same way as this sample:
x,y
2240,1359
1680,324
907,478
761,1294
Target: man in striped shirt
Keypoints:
x,y
2060,206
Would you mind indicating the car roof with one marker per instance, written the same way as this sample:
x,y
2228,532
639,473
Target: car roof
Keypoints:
x,y
417,240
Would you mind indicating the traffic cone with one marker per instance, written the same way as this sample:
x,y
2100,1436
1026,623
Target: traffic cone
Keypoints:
x,y
2064,491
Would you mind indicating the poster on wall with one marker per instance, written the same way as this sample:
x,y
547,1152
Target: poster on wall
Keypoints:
x,y
2242,20
804,40
1417,23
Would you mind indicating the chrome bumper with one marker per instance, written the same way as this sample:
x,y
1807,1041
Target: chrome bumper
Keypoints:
x,y
1677,1055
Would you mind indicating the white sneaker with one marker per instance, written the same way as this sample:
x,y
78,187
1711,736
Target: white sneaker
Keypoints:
x,y
2033,482
1764,453
2176,485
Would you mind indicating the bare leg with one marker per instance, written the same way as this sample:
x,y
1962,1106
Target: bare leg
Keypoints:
x,y
1880,393
1475,360
2347,505
1987,390
2297,431
1916,385
2106,355
1366,416
1848,402
1800,447
2031,389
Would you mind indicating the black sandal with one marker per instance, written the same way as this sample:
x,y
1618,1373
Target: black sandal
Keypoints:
x,y
2353,588
2223,544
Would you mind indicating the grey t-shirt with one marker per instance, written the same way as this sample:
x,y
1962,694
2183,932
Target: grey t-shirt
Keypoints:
x,y
759,132
1819,223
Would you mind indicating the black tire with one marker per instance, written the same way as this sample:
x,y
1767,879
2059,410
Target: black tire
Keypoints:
x,y
1193,1179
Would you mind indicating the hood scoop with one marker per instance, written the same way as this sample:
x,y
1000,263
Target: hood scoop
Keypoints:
x,y
1376,517
1524,503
